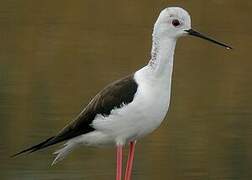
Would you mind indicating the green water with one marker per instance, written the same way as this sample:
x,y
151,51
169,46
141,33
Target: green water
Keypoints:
x,y
56,55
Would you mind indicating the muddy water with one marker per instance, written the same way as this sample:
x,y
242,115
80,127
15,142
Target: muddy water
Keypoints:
x,y
56,55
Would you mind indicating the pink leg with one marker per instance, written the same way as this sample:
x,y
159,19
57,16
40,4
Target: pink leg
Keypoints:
x,y
130,161
119,155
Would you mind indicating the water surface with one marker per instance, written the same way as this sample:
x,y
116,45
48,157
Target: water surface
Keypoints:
x,y
56,55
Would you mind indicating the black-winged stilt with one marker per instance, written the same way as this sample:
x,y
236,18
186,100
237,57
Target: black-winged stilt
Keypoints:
x,y
133,106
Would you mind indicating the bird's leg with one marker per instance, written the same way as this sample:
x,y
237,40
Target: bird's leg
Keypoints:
x,y
130,161
119,158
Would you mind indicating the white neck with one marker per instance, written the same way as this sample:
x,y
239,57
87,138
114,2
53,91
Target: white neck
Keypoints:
x,y
162,55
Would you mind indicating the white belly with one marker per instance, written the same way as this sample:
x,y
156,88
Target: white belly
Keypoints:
x,y
138,118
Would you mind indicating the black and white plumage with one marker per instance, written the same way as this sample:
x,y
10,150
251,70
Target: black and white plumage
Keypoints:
x,y
134,106
114,96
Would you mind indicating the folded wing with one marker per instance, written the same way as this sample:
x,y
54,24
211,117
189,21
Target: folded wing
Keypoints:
x,y
113,96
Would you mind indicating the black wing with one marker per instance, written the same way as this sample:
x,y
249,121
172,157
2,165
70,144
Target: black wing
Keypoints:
x,y
113,96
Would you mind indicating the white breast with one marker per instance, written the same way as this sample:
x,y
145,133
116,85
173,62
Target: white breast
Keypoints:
x,y
140,117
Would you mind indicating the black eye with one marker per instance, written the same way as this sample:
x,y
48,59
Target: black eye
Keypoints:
x,y
175,22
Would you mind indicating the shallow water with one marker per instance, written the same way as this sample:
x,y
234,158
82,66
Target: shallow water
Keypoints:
x,y
56,55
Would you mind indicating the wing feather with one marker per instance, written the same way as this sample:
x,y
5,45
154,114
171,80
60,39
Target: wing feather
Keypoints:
x,y
112,96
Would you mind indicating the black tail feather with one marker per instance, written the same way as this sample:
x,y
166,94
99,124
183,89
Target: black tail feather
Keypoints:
x,y
36,147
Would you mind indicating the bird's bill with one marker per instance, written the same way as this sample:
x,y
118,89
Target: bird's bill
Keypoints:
x,y
197,34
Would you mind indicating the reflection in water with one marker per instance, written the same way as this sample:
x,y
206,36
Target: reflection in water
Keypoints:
x,y
56,55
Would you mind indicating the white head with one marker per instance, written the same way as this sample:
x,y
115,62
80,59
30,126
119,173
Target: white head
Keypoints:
x,y
174,22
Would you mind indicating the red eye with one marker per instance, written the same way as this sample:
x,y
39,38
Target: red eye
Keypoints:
x,y
175,22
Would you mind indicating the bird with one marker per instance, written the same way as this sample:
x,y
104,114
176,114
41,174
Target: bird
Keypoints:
x,y
132,107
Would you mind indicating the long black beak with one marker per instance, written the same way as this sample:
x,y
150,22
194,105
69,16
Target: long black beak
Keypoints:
x,y
197,34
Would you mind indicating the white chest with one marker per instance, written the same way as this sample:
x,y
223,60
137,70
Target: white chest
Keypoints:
x,y
141,116
152,103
